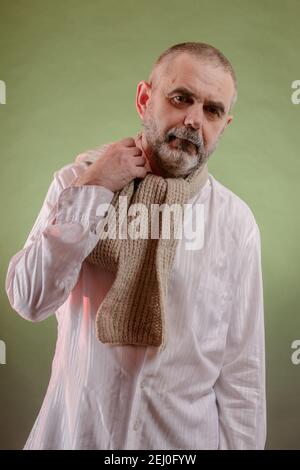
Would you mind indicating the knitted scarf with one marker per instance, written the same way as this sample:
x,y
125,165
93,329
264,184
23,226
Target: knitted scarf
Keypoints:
x,y
134,310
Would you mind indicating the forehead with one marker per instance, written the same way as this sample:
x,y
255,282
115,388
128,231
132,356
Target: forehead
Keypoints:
x,y
205,79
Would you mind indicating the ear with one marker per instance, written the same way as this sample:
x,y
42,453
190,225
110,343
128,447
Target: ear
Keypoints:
x,y
143,94
228,121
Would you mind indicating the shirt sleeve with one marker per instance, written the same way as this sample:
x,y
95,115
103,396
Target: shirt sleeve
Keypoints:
x,y
240,388
41,276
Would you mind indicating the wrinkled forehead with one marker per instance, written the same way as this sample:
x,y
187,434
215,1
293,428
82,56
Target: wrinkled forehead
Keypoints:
x,y
206,79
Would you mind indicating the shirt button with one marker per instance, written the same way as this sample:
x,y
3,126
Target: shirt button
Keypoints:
x,y
60,285
93,229
136,425
143,383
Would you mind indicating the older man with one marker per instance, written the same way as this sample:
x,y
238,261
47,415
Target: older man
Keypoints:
x,y
159,346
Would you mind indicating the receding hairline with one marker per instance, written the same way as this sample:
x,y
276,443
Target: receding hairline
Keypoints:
x,y
198,50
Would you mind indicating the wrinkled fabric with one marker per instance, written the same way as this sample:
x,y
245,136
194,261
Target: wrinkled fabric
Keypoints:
x,y
206,390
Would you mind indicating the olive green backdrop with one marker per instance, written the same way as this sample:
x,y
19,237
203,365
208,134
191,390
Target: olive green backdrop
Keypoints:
x,y
71,69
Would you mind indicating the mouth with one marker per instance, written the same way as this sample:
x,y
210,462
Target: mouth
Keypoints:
x,y
185,144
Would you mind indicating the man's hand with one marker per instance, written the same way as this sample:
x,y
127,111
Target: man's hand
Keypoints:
x,y
120,163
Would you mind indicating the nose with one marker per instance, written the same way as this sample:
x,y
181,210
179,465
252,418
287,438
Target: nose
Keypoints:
x,y
194,117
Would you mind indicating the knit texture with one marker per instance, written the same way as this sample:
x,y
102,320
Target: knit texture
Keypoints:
x,y
134,310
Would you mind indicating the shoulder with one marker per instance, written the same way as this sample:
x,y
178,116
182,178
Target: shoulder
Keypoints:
x,y
233,213
66,175
62,179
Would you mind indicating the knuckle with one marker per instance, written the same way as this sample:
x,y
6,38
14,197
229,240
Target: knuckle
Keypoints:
x,y
128,141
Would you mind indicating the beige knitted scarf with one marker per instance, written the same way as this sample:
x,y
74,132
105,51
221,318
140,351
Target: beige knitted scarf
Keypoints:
x,y
134,309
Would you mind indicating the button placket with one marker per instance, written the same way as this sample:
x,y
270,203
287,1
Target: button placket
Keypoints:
x,y
136,424
143,383
135,421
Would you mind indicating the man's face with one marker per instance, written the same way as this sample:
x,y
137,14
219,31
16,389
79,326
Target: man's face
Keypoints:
x,y
185,115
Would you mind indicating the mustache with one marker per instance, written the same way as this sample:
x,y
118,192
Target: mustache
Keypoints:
x,y
185,134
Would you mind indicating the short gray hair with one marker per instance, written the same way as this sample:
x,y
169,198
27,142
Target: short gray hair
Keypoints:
x,y
197,49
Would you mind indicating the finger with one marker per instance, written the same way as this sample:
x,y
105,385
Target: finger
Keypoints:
x,y
135,152
147,164
128,142
139,161
148,167
139,145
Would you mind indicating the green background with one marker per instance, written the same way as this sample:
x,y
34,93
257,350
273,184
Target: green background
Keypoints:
x,y
71,69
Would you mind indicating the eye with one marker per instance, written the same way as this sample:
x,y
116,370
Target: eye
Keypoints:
x,y
179,99
213,110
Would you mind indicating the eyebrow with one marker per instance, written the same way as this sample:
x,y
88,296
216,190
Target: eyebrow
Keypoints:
x,y
186,92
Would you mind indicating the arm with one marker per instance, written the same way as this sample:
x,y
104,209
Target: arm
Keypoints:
x,y
41,276
240,388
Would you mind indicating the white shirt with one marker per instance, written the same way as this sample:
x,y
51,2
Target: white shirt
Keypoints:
x,y
206,390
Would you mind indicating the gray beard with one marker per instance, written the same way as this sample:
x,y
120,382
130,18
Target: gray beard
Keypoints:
x,y
180,161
